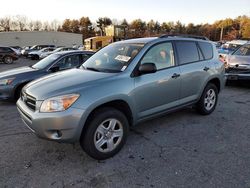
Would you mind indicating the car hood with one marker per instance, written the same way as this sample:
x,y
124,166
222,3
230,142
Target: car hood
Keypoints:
x,y
65,82
17,71
240,60
47,53
35,52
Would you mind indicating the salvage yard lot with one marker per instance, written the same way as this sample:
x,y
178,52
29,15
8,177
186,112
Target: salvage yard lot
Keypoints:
x,y
182,149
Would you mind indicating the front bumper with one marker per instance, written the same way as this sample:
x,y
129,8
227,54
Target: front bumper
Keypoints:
x,y
6,92
237,74
63,126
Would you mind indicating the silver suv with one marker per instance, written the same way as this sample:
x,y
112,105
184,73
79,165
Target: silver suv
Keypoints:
x,y
124,83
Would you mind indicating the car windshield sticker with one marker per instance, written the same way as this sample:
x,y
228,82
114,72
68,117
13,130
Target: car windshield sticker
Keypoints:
x,y
123,58
123,68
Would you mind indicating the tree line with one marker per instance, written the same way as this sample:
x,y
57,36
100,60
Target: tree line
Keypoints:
x,y
226,29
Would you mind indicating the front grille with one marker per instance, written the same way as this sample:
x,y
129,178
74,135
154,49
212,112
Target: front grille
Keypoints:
x,y
29,101
237,70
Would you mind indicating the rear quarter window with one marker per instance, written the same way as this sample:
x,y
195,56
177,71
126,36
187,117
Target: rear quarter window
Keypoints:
x,y
207,50
187,52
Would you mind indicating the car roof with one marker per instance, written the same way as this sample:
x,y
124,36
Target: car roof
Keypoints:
x,y
4,46
165,38
140,40
240,42
74,51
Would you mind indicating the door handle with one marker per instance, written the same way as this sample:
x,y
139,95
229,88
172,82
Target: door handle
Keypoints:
x,y
206,69
175,75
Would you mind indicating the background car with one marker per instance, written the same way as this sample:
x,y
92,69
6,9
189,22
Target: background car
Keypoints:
x,y
238,64
26,51
12,81
35,55
17,49
230,47
60,49
7,55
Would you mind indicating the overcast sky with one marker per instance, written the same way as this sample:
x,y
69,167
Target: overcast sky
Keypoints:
x,y
196,11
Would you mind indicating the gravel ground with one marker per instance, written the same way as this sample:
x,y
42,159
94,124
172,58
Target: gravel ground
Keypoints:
x,y
182,149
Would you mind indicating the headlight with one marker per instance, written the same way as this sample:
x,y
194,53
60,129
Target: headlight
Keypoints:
x,y
60,103
7,81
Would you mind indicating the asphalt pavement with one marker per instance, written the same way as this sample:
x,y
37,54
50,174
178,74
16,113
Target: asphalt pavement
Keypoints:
x,y
181,149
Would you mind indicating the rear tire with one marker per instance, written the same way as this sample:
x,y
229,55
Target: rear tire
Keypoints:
x,y
208,100
106,133
8,60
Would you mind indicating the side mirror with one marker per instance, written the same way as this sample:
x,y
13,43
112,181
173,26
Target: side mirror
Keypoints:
x,y
147,68
54,69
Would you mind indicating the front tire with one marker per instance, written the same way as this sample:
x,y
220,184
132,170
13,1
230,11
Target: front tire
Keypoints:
x,y
208,100
106,133
8,60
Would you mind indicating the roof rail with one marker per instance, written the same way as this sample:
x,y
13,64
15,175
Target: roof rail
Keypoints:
x,y
184,36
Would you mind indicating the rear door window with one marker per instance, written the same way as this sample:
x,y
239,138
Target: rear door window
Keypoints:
x,y
187,52
207,50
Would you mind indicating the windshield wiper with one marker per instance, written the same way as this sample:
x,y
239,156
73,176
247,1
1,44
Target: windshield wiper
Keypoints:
x,y
91,68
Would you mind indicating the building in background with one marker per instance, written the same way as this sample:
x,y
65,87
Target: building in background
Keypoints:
x,y
116,31
30,38
113,33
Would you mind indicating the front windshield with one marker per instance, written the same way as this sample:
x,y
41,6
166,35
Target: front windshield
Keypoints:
x,y
33,47
113,58
46,61
243,51
43,50
233,46
57,50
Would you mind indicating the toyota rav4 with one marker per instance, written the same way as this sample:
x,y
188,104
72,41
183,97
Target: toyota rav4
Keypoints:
x,y
122,84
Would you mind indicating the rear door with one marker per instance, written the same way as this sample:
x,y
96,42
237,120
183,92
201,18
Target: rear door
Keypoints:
x,y
194,70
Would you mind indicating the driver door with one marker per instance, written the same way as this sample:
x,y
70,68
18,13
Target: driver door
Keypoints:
x,y
159,91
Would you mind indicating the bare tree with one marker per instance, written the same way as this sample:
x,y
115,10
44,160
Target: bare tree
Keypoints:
x,y
21,22
54,25
5,23
37,25
46,26
31,25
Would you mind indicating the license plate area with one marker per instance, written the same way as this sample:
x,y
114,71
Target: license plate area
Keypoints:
x,y
232,77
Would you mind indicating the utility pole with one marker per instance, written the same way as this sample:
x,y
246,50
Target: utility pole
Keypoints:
x,y
221,33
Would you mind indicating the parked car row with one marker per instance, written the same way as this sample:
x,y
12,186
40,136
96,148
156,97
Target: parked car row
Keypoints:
x,y
10,54
94,102
41,51
25,52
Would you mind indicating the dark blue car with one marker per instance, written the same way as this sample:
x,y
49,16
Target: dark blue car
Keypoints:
x,y
12,81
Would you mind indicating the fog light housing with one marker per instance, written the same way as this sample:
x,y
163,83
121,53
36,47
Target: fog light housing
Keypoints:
x,y
56,134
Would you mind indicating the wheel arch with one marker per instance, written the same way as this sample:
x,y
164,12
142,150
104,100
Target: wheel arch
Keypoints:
x,y
18,88
118,104
216,82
